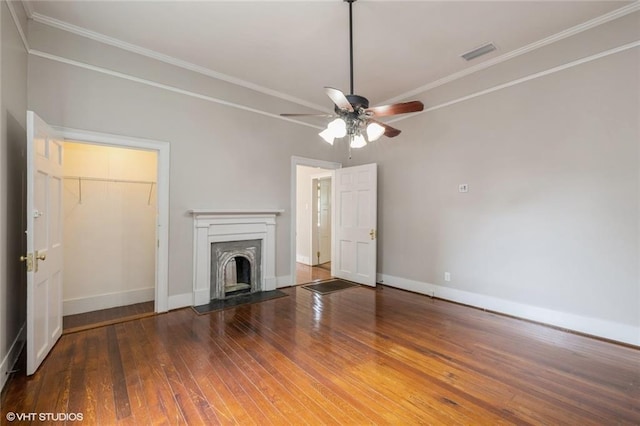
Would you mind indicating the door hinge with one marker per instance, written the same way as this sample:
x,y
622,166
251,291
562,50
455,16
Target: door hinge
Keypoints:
x,y
372,234
29,259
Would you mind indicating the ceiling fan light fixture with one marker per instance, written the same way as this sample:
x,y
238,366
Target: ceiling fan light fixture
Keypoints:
x,y
374,131
327,135
357,141
338,128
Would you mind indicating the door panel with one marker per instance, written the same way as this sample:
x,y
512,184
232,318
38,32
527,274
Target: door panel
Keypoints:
x,y
355,214
40,339
44,240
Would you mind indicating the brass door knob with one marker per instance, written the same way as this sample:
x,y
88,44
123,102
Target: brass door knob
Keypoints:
x,y
29,259
41,256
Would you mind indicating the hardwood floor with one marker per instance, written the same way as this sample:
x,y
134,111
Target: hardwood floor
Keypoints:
x,y
306,274
87,320
352,357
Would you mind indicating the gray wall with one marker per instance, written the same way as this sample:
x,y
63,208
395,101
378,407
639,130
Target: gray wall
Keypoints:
x,y
550,227
13,107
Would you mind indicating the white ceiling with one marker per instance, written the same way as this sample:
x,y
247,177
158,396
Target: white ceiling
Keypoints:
x,y
298,47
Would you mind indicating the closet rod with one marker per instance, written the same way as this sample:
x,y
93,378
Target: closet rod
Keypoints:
x,y
95,179
81,178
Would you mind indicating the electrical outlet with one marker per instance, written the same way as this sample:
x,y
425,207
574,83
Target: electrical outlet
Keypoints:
x,y
447,276
463,187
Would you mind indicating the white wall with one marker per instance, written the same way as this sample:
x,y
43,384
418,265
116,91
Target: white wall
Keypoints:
x,y
13,93
221,157
303,214
109,235
550,228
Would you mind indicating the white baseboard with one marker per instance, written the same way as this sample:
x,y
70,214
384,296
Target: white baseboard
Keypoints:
x,y
177,301
12,356
270,283
284,281
593,326
106,301
306,260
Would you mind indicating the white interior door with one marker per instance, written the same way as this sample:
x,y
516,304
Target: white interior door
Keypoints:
x,y
354,224
44,240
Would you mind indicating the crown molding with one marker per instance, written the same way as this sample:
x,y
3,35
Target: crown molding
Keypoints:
x,y
16,21
28,8
511,83
111,41
592,23
167,87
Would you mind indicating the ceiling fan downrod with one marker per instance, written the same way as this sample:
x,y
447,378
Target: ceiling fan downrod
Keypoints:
x,y
353,99
351,43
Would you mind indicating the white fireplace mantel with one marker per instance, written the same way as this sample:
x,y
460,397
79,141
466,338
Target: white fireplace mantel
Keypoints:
x,y
212,226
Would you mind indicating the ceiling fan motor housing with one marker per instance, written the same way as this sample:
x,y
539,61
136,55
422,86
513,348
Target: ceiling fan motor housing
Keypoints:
x,y
356,102
357,119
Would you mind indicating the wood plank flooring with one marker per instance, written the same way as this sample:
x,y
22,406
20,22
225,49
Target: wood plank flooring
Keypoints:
x,y
306,274
357,356
87,320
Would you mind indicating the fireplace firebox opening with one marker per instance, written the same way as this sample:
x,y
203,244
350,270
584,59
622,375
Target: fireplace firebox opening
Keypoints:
x,y
235,268
237,276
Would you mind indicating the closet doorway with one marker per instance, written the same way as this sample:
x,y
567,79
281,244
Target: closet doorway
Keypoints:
x,y
110,206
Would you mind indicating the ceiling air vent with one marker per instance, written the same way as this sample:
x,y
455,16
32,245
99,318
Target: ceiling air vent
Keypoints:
x,y
479,51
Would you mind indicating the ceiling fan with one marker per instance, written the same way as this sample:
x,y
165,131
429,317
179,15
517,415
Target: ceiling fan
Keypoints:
x,y
353,117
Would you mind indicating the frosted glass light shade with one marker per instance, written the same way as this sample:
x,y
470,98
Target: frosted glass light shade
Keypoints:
x,y
374,131
338,128
327,135
358,141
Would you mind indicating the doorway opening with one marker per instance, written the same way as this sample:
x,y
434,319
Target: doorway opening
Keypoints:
x,y
110,209
312,219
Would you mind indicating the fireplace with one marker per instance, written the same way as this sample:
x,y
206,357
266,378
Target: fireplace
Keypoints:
x,y
233,253
235,268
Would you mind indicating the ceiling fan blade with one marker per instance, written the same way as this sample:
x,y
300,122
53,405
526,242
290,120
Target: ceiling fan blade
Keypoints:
x,y
389,131
307,115
339,98
393,109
